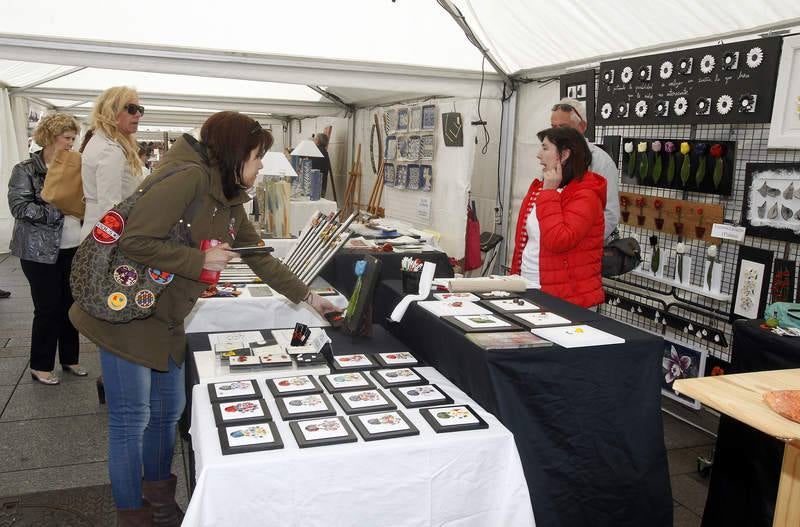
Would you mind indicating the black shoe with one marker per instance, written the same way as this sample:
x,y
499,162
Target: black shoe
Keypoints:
x,y
4,294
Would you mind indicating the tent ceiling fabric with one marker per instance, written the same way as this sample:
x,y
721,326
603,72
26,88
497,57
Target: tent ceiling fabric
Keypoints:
x,y
535,35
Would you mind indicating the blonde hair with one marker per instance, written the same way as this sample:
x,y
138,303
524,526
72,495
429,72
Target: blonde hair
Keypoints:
x,y
104,118
52,125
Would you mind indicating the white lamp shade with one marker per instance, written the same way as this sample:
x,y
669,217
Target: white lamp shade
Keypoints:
x,y
276,164
307,148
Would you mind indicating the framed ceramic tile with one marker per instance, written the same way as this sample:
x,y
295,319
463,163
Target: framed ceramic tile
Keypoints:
x,y
453,418
771,204
401,178
361,401
452,129
464,297
395,377
679,361
233,390
295,385
390,148
426,148
507,340
320,432
429,117
310,360
225,356
489,295
239,439
248,362
783,279
420,396
345,381
470,323
510,305
540,319
753,269
402,148
414,177
247,411
390,121
396,358
383,425
402,120
276,360
427,178
414,147
301,406
359,361
415,119
388,174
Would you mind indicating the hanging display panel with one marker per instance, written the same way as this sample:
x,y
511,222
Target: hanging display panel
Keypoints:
x,y
580,86
726,83
771,204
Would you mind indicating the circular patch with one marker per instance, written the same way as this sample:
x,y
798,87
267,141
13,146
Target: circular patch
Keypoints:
x,y
109,228
125,275
117,301
145,299
160,277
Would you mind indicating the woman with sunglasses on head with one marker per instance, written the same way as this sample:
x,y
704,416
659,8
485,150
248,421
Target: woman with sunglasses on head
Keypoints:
x,y
111,168
559,238
142,360
45,240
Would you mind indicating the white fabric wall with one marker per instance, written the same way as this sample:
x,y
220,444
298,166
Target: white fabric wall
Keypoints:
x,y
484,175
9,156
338,146
534,101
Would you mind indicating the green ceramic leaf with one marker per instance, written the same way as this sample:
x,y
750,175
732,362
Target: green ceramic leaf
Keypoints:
x,y
656,260
671,169
680,268
657,168
685,165
643,168
700,175
717,173
632,163
710,272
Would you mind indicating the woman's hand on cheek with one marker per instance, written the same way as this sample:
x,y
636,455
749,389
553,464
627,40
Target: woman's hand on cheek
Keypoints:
x,y
552,177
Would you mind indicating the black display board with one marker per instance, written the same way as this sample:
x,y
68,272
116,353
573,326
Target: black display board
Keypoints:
x,y
739,69
580,86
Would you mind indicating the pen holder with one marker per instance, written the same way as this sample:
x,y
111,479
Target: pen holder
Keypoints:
x,y
411,281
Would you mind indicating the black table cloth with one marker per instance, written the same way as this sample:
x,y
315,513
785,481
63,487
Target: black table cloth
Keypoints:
x,y
587,421
747,462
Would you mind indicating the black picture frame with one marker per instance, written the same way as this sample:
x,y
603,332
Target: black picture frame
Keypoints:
x,y
469,329
360,322
758,256
272,385
579,85
400,395
227,449
428,415
302,442
774,233
782,281
331,388
343,398
358,424
527,324
384,359
212,392
381,378
336,366
219,417
283,402
530,307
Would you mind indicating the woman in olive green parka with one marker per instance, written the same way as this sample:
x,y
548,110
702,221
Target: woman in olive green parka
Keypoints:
x,y
142,359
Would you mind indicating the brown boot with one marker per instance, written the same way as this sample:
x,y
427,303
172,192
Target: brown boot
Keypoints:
x,y
135,517
161,495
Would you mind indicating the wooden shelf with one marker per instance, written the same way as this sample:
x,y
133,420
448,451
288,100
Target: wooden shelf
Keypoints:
x,y
692,288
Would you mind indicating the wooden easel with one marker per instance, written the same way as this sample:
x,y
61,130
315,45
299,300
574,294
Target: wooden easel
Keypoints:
x,y
353,186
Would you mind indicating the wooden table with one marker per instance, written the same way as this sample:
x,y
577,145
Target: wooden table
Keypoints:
x,y
741,396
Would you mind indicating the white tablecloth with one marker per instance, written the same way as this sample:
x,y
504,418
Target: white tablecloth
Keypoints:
x,y
301,210
458,479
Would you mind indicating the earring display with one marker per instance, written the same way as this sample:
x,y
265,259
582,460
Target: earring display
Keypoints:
x,y
771,204
699,86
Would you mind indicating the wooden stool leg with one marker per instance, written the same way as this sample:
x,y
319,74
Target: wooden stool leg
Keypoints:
x,y
787,505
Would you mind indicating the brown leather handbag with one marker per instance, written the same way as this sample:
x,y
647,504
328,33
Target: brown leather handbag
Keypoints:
x,y
63,187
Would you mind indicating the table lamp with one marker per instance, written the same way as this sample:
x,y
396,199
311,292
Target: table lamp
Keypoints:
x,y
306,150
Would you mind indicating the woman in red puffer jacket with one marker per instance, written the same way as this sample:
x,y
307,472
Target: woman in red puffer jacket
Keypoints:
x,y
559,238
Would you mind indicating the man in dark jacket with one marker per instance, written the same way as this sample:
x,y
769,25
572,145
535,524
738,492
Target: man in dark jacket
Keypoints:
x,y
323,164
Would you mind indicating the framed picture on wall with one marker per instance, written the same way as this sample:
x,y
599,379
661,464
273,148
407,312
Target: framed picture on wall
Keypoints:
x,y
750,290
771,203
580,86
784,130
679,361
415,119
783,278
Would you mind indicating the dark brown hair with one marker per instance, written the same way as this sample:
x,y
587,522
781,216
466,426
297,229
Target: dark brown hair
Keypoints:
x,y
565,138
229,138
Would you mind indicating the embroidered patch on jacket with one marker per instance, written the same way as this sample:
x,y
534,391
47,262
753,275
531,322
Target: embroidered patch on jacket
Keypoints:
x,y
117,301
145,299
160,277
125,275
109,228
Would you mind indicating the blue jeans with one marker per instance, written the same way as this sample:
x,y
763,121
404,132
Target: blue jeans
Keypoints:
x,y
144,406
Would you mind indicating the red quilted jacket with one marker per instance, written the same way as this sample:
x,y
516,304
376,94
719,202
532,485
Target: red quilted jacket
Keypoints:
x,y
571,226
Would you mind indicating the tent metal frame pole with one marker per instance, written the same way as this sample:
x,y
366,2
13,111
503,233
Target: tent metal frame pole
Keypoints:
x,y
46,79
506,161
349,108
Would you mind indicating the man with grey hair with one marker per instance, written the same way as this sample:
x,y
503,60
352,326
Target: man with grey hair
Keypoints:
x,y
572,114
323,164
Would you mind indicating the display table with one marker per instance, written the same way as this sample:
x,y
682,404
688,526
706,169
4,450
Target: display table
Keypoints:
x,y
587,421
249,312
740,396
471,478
301,210
747,462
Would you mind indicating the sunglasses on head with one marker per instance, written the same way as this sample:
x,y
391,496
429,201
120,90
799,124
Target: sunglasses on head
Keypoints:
x,y
567,108
133,108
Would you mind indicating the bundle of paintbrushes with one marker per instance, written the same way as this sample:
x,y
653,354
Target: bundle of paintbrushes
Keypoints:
x,y
411,265
319,242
